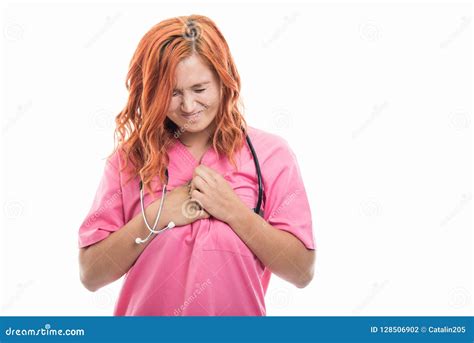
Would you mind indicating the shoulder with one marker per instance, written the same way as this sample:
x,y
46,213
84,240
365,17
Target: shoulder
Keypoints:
x,y
269,145
114,160
261,137
116,163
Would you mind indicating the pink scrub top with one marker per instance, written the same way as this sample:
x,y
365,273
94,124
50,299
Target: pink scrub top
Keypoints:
x,y
204,268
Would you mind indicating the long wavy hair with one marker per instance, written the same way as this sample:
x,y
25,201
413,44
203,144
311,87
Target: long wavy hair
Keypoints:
x,y
143,132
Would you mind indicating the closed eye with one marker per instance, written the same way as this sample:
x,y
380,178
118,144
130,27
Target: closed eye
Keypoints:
x,y
175,93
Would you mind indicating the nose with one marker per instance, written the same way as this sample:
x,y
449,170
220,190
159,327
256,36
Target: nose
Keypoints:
x,y
188,104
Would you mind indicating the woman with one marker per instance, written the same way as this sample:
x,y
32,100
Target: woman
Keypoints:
x,y
182,119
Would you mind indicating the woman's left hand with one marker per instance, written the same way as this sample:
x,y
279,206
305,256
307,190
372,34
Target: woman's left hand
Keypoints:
x,y
215,194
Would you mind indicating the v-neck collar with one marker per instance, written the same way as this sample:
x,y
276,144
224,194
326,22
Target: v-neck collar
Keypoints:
x,y
204,158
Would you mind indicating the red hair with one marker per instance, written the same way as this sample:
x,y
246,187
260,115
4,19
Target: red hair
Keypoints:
x,y
144,132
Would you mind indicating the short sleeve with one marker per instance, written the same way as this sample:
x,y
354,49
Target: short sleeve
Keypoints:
x,y
106,213
286,202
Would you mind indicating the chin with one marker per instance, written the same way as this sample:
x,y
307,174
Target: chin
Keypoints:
x,y
196,128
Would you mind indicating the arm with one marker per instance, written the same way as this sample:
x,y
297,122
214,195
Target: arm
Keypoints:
x,y
112,257
284,254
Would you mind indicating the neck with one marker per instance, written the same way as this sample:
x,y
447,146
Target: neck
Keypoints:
x,y
197,140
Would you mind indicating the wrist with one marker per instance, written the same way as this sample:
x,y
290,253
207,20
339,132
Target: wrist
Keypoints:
x,y
153,213
240,216
165,216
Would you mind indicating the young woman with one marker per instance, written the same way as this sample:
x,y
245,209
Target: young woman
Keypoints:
x,y
182,128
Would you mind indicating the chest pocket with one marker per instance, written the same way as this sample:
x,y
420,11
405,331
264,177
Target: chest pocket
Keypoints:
x,y
223,238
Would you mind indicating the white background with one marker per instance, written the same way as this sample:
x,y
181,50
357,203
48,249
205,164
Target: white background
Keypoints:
x,y
375,100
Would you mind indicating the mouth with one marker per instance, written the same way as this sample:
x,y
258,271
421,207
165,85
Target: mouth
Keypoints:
x,y
193,116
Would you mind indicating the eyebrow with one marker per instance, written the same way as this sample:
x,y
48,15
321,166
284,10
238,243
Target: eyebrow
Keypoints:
x,y
200,84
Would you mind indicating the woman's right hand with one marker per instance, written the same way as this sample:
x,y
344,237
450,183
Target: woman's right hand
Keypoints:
x,y
179,208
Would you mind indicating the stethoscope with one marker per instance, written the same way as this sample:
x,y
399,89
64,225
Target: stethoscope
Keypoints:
x,y
171,224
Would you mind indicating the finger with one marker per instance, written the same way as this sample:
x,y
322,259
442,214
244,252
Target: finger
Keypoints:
x,y
206,174
199,184
208,169
199,197
212,173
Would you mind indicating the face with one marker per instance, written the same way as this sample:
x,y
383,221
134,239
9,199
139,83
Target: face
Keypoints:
x,y
196,96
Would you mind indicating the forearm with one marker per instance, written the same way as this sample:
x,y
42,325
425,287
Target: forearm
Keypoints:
x,y
280,251
109,259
